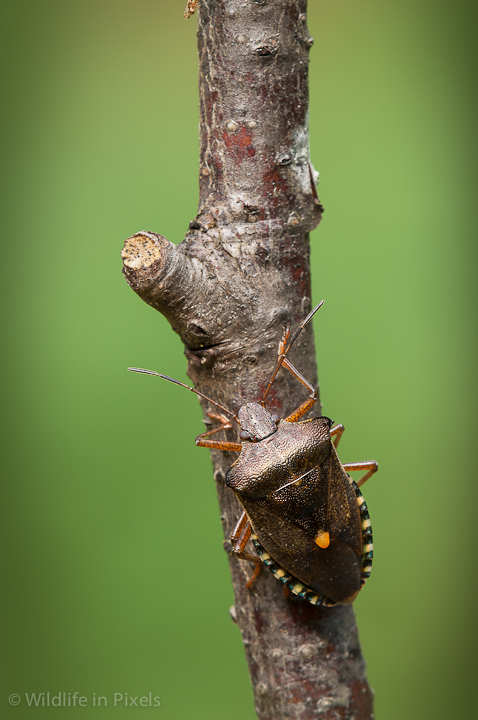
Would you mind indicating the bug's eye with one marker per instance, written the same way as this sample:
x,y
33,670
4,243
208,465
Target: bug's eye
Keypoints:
x,y
275,418
245,435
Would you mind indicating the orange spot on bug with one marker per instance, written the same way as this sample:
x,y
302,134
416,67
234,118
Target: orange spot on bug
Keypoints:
x,y
323,540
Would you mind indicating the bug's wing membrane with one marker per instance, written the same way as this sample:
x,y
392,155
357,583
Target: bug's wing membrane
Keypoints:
x,y
343,520
302,500
320,500
333,571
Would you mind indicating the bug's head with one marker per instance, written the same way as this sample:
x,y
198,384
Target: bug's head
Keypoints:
x,y
256,422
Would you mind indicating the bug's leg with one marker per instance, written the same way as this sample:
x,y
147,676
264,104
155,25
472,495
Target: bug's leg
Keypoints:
x,y
339,431
284,347
311,400
202,439
281,353
239,539
371,466
284,362
225,422
255,575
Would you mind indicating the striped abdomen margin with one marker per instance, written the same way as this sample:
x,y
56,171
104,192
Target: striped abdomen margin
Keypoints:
x,y
302,590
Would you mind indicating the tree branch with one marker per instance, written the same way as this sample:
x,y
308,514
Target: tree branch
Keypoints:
x,y
240,274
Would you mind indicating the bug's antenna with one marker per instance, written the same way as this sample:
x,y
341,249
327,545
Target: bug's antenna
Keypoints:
x,y
288,345
166,377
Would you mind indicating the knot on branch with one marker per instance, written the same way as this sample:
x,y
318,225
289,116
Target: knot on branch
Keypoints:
x,y
184,284
145,256
153,268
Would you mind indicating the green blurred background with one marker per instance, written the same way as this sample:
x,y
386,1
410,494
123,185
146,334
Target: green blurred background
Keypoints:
x,y
115,576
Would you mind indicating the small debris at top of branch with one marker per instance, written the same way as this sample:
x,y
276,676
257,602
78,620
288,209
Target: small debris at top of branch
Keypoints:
x,y
191,8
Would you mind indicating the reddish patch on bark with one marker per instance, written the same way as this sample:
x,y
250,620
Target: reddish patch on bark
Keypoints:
x,y
306,689
361,702
260,621
304,612
359,706
276,188
273,400
239,144
292,14
296,266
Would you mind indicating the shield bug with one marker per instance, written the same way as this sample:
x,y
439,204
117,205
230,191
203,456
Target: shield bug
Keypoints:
x,y
303,512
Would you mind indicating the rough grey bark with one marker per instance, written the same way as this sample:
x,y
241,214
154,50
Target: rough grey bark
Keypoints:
x,y
242,273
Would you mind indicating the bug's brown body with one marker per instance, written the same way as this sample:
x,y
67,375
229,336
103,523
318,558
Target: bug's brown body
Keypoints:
x,y
293,488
